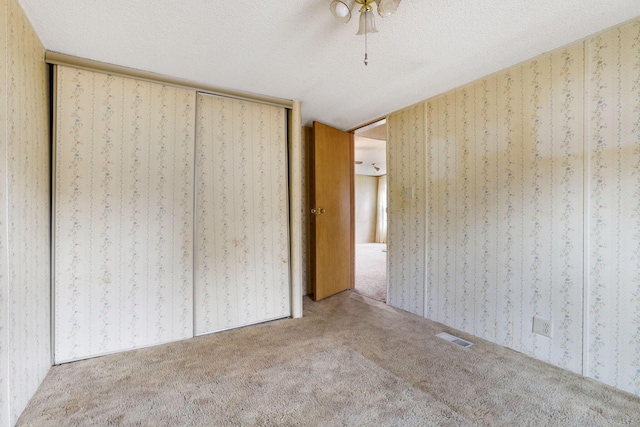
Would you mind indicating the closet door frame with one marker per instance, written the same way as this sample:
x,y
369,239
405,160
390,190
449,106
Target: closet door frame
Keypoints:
x,y
294,157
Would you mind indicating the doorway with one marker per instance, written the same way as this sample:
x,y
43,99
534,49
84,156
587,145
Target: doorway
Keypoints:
x,y
370,186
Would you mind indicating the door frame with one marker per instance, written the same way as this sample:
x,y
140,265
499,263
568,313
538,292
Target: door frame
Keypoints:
x,y
297,229
377,122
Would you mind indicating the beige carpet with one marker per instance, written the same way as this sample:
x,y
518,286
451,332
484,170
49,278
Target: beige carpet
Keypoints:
x,y
371,270
351,361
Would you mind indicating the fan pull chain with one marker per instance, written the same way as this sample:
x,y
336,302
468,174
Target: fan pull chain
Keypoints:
x,y
366,56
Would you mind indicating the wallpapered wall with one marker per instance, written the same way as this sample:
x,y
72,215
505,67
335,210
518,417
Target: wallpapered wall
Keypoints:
x,y
25,355
511,178
613,230
242,243
124,214
406,186
505,206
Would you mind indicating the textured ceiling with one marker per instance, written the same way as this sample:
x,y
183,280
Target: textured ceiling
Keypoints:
x,y
294,49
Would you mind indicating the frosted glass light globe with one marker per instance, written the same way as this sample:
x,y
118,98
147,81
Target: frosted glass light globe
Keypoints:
x,y
342,10
388,7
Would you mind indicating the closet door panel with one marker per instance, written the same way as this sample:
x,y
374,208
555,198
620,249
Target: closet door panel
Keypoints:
x,y
266,179
242,256
274,293
135,232
123,214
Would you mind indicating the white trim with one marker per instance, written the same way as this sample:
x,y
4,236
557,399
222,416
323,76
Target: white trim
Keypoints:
x,y
372,125
5,377
388,239
295,208
54,159
426,209
117,70
196,99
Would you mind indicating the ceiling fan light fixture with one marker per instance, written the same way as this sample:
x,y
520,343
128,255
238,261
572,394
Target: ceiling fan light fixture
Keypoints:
x,y
341,9
387,8
367,23
383,13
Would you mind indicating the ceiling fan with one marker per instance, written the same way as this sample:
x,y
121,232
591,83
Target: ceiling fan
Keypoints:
x,y
377,168
342,9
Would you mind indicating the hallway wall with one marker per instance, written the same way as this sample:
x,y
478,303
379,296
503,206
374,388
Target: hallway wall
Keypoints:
x,y
366,203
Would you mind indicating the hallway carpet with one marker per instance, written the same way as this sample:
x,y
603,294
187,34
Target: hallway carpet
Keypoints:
x,y
350,361
371,270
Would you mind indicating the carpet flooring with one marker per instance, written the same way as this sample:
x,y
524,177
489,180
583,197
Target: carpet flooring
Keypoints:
x,y
350,361
371,270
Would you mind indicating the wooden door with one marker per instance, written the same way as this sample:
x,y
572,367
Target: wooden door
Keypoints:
x,y
332,228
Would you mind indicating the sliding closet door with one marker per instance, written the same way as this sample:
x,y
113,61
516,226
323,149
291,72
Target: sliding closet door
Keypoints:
x,y
242,242
123,214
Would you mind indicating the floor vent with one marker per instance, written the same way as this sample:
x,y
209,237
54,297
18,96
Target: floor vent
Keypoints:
x,y
454,339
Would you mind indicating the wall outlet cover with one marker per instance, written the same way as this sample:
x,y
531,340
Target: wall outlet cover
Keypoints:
x,y
543,326
409,193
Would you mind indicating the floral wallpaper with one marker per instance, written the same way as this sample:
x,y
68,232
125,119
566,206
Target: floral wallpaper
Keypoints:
x,y
242,243
25,354
613,270
406,221
533,185
124,191
505,203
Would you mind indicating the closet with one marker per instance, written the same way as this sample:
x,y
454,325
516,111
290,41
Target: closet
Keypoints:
x,y
242,251
170,213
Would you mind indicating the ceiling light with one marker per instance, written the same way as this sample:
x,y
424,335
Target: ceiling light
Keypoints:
x,y
367,23
341,10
